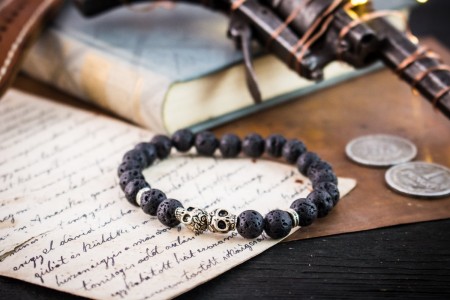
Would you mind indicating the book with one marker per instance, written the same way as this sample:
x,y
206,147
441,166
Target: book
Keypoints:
x,y
164,69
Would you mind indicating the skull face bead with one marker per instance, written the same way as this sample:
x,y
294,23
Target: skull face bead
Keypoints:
x,y
221,221
195,219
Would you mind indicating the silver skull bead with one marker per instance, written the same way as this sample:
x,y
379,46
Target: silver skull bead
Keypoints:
x,y
195,219
221,221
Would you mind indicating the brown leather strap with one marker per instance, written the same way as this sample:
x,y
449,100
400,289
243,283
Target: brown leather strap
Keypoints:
x,y
20,21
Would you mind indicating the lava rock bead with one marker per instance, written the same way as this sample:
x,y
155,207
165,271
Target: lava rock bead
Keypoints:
x,y
277,224
253,145
230,145
274,145
183,140
323,202
150,200
132,188
318,166
166,212
323,176
305,160
206,143
149,150
162,144
292,150
128,176
136,155
306,210
128,165
331,188
250,224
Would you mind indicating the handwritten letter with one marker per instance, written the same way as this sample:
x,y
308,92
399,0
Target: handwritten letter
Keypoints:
x,y
65,224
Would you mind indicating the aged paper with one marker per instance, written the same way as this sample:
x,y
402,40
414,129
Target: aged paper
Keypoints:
x,y
65,224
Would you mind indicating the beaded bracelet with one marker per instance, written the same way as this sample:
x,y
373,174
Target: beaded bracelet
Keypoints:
x,y
249,224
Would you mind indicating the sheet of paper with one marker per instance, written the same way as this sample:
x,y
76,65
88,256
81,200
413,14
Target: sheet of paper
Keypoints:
x,y
65,224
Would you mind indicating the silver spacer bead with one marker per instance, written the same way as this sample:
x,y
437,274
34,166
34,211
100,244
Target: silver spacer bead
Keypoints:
x,y
139,194
295,217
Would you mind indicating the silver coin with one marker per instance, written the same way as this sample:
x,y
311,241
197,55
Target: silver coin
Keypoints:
x,y
419,179
380,150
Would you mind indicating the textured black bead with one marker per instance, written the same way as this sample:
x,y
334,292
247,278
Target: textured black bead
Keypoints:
x,y
275,144
136,155
306,210
277,224
128,165
206,143
323,202
128,176
150,200
162,144
166,212
292,150
183,140
318,166
250,224
253,145
305,160
132,188
230,145
149,150
331,188
322,176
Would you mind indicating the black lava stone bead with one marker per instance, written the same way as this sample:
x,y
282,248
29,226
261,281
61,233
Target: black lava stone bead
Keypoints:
x,y
150,200
323,176
331,188
250,224
136,155
183,140
128,165
323,202
149,150
253,145
292,150
306,210
274,145
277,224
230,145
305,160
166,212
163,145
318,166
128,176
132,188
206,143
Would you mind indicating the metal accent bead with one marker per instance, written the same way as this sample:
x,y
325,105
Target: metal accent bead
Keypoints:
x,y
139,195
221,221
195,219
295,217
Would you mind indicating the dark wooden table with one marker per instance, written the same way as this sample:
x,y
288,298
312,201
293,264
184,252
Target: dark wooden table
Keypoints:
x,y
407,261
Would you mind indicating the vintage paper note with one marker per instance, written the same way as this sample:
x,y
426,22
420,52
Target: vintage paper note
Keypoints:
x,y
65,224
